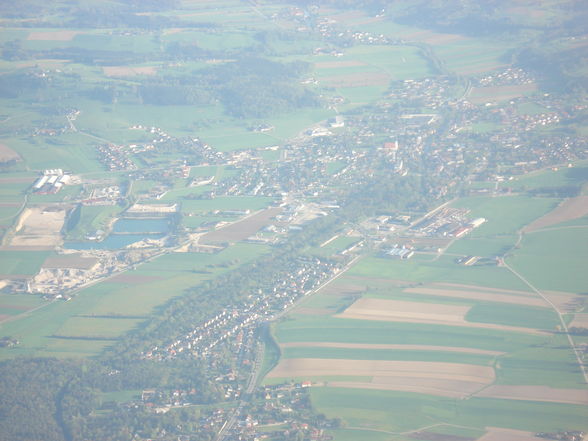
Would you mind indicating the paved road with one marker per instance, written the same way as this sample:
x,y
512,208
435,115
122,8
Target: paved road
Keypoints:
x,y
246,397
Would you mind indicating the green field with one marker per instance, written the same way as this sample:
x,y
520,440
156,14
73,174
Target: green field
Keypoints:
x,y
441,270
71,151
526,359
505,215
399,412
118,306
14,304
471,56
550,178
337,330
96,327
200,78
554,259
22,262
483,246
513,315
93,218
336,246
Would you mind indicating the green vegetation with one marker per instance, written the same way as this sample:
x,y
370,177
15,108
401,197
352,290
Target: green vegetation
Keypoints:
x,y
560,177
483,246
441,270
92,219
550,363
338,330
400,412
513,315
22,262
135,93
521,211
272,352
96,327
105,310
553,260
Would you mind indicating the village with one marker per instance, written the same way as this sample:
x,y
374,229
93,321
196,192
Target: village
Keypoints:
x,y
343,151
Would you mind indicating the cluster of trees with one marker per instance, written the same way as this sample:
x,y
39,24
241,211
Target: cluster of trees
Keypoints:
x,y
558,69
249,87
15,84
56,400
65,395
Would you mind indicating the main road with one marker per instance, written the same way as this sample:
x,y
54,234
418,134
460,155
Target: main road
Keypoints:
x,y
246,397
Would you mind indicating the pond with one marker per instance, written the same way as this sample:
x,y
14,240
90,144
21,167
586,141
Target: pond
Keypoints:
x,y
125,232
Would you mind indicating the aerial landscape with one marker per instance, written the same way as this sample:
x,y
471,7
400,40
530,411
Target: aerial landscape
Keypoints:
x,y
240,220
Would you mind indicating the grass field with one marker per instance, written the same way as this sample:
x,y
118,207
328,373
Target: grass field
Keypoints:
x,y
471,56
135,295
362,74
13,190
513,315
21,262
71,151
505,215
329,329
336,246
554,260
93,218
219,33
550,178
441,270
483,246
314,332
94,327
400,412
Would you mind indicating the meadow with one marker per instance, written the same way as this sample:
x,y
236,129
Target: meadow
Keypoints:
x,y
73,152
320,332
401,412
442,270
93,218
554,259
558,177
443,325
505,214
102,313
22,262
